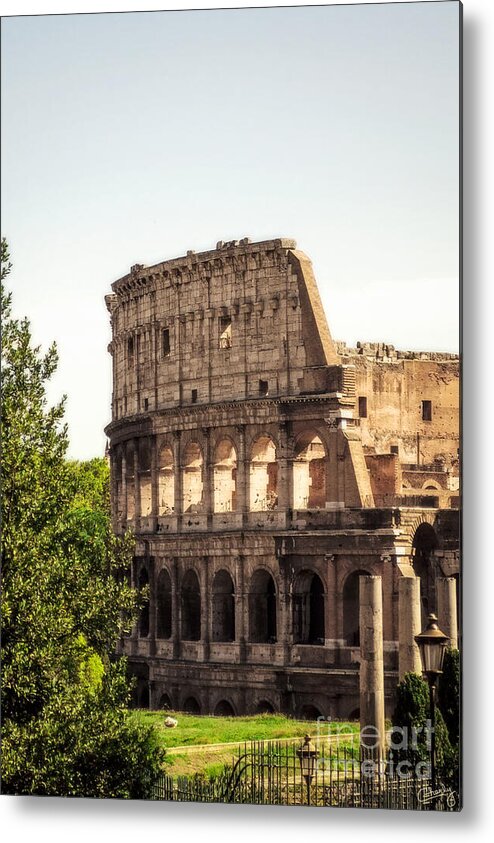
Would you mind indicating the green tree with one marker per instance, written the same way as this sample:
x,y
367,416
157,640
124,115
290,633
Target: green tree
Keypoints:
x,y
448,694
412,738
65,601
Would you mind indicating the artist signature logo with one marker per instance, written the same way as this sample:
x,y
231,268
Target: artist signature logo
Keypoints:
x,y
426,795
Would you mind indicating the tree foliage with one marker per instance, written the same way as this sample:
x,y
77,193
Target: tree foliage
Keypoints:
x,y
448,694
65,600
412,716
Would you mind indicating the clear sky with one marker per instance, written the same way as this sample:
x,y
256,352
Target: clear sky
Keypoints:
x,y
132,138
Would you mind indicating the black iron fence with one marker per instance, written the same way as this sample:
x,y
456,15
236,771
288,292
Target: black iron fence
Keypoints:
x,y
269,773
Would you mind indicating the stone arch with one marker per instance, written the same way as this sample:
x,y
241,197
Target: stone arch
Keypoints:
x,y
424,545
166,480
223,607
431,484
192,478
224,476
165,703
310,712
265,707
263,474
143,623
309,471
262,607
130,491
191,706
308,600
164,605
351,608
190,598
143,695
224,708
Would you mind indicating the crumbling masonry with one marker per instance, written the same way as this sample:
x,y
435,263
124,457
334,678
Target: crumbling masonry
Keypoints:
x,y
263,468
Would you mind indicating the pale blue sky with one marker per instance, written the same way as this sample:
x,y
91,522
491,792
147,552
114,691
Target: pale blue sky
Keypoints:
x,y
133,138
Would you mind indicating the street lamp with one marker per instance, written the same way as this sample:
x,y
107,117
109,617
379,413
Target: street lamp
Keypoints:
x,y
432,644
307,755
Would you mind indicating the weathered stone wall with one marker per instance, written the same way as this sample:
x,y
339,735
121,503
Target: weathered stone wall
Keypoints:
x,y
239,460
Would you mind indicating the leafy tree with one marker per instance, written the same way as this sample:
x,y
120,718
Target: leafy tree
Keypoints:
x,y
448,694
65,601
412,738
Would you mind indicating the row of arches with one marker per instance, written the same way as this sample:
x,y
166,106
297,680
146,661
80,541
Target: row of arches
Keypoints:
x,y
191,704
309,465
307,607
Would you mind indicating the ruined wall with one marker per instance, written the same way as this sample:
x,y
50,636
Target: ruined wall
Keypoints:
x,y
238,322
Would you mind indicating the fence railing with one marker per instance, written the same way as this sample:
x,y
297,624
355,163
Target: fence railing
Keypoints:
x,y
269,773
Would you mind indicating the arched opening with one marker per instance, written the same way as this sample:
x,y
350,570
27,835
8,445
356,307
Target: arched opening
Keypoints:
x,y
309,473
164,605
308,609
191,607
223,608
351,608
144,477
423,547
265,707
191,706
263,475
262,608
166,481
130,481
143,695
224,709
310,712
224,477
165,703
192,479
354,714
143,581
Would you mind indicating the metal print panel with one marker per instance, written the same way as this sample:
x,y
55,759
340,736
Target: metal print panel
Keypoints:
x,y
231,560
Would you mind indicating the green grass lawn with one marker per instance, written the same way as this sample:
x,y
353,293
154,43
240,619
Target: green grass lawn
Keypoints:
x,y
198,735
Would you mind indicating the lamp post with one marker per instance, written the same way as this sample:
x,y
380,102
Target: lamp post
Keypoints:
x,y
307,755
432,645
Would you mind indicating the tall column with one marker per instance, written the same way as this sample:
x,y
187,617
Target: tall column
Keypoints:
x,y
241,479
409,621
154,478
175,607
137,487
240,608
208,493
371,667
122,503
285,493
177,469
205,607
446,609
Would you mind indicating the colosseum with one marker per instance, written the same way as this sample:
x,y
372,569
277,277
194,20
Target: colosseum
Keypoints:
x,y
262,468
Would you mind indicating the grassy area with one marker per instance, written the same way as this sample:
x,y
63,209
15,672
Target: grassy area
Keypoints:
x,y
196,744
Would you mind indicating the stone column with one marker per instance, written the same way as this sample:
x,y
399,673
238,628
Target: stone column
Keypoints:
x,y
154,478
285,468
137,487
447,619
175,577
241,479
371,668
409,620
178,478
240,607
207,477
122,503
205,608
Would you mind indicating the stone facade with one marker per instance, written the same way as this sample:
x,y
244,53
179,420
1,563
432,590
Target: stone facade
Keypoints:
x,y
260,484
